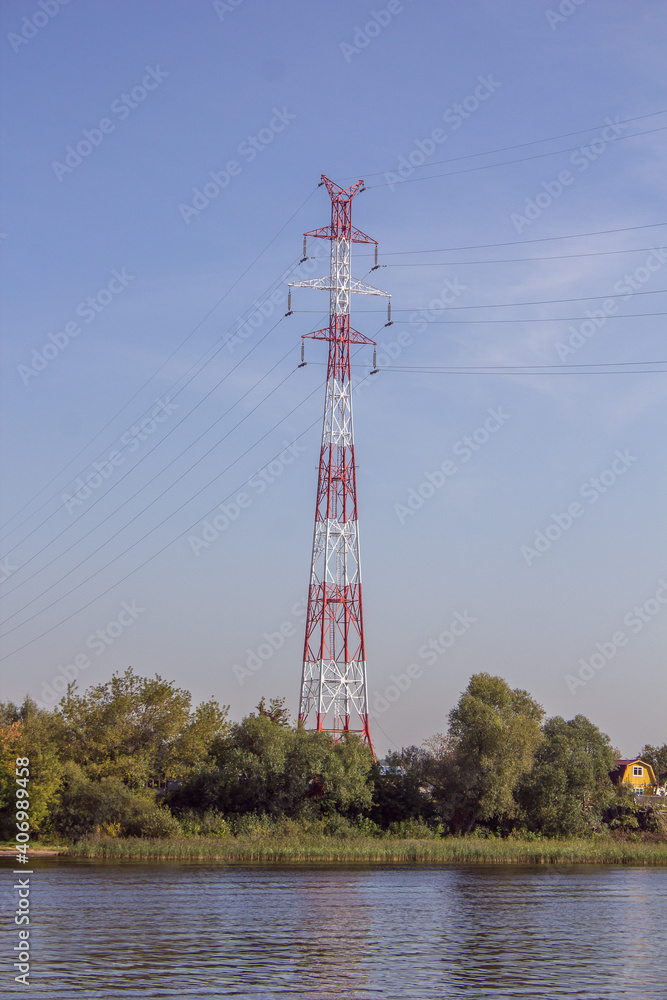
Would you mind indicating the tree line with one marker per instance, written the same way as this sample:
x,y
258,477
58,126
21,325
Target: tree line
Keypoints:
x,y
133,757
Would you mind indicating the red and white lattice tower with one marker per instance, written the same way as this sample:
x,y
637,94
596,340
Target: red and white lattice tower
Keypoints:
x,y
334,696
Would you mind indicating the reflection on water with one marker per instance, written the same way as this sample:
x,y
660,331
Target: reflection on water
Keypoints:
x,y
126,931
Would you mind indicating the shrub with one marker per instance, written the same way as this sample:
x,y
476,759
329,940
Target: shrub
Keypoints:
x,y
251,825
84,808
152,822
336,825
367,827
413,829
210,823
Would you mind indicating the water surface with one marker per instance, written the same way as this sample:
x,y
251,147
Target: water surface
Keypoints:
x,y
133,930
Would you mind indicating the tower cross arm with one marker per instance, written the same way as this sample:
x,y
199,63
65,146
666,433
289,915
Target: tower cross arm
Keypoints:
x,y
324,283
356,285
363,288
355,235
354,338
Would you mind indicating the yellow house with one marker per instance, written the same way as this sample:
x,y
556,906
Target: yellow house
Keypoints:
x,y
637,774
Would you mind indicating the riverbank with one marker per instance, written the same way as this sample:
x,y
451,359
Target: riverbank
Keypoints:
x,y
34,852
370,850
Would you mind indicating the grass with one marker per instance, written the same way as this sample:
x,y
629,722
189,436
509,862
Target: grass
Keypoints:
x,y
321,849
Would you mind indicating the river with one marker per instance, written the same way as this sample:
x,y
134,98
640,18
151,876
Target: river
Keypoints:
x,y
134,930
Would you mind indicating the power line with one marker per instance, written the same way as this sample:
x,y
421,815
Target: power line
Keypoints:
x,y
504,163
519,371
562,369
520,260
168,544
133,519
164,520
215,354
534,319
142,459
166,361
152,480
510,305
520,145
474,368
514,243
222,341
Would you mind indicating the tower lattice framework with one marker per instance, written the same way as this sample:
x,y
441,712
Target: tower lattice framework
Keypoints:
x,y
334,695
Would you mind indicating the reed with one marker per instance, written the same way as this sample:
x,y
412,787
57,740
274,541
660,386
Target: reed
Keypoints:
x,y
370,850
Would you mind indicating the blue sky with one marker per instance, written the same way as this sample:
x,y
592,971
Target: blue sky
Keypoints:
x,y
161,166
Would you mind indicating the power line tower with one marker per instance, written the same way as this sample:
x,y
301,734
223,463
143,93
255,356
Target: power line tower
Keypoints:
x,y
334,696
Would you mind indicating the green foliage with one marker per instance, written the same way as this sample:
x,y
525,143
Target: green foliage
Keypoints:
x,y
300,846
266,767
28,732
10,738
400,790
276,711
628,812
568,787
413,829
496,771
494,732
155,821
85,807
367,828
252,825
657,758
210,823
136,729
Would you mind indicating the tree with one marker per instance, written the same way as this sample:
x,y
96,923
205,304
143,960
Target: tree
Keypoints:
x,y
194,747
10,741
656,757
568,787
137,729
107,807
399,791
276,711
270,768
28,732
494,731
